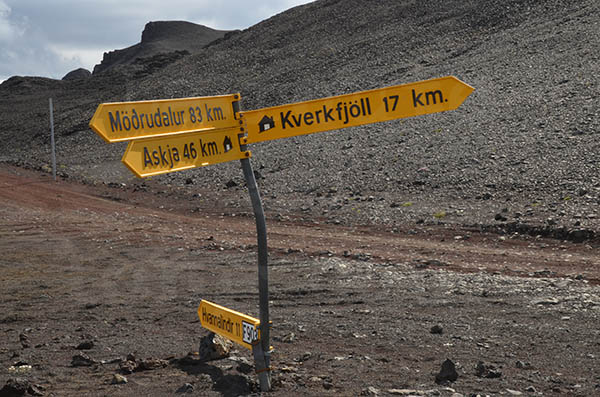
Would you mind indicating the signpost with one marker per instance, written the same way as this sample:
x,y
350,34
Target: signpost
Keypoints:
x,y
178,134
382,104
124,121
154,156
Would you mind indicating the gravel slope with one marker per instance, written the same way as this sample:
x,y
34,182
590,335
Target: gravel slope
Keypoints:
x,y
519,154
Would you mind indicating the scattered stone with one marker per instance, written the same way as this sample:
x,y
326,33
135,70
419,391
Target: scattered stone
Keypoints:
x,y
127,367
15,387
489,371
546,301
82,360
87,345
230,183
24,341
406,392
186,388
214,347
437,329
500,218
35,390
531,389
327,383
150,364
371,391
118,379
514,392
523,365
447,373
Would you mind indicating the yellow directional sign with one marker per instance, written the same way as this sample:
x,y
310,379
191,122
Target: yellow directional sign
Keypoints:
x,y
238,327
124,121
383,104
153,156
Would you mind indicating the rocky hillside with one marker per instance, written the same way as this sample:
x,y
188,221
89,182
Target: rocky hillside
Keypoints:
x,y
520,154
162,37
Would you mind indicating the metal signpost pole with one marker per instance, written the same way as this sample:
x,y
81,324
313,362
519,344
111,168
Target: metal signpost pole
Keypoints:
x,y
262,349
52,139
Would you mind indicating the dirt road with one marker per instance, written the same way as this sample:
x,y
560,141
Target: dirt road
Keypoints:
x,y
352,307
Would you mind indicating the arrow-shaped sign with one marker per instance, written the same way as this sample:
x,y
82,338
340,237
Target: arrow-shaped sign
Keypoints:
x,y
236,326
124,121
383,104
153,156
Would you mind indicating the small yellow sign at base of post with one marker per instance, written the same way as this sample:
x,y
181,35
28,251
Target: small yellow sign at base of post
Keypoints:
x,y
154,156
237,327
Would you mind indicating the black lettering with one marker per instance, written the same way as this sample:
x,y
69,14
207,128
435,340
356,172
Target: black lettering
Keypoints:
x,y
417,99
354,109
177,119
147,158
192,115
135,120
339,110
208,115
213,148
163,156
148,120
126,123
165,116
157,119
368,106
155,157
284,119
308,118
199,115
218,113
327,113
170,157
434,95
317,115
203,149
297,121
115,123
170,115
346,113
176,154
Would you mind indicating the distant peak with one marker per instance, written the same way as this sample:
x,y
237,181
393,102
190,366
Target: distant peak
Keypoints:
x,y
160,30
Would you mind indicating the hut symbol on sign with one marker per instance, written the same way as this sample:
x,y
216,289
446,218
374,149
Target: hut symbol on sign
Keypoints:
x,y
266,123
227,145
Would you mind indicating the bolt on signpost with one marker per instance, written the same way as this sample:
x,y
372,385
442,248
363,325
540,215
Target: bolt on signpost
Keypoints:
x,y
174,135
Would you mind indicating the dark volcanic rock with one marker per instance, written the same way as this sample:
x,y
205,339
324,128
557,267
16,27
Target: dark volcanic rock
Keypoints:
x,y
447,373
78,74
162,37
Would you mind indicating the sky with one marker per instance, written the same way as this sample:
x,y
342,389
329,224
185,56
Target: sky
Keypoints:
x,y
49,38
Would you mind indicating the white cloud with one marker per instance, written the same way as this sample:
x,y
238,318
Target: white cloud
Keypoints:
x,y
51,38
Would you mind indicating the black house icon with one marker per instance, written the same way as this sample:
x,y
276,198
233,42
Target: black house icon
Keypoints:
x,y
266,123
227,145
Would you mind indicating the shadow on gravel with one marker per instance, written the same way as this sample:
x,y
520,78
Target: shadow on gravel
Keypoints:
x,y
229,385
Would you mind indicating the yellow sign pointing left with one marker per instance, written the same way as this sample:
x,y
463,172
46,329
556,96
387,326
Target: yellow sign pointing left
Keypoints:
x,y
238,327
125,121
154,156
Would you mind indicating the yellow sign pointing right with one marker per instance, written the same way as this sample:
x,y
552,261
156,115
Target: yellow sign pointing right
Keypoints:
x,y
382,104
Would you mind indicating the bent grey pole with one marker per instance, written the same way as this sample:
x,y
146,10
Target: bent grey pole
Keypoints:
x,y
52,139
262,363
261,351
